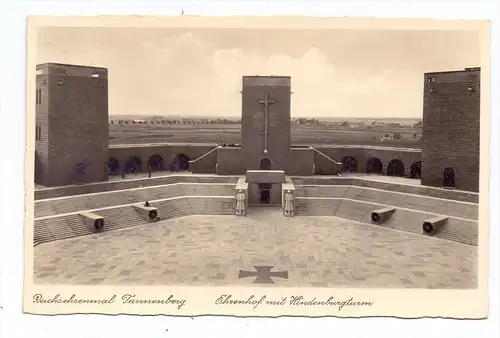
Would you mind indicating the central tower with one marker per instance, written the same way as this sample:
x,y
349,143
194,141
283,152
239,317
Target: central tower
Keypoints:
x,y
265,122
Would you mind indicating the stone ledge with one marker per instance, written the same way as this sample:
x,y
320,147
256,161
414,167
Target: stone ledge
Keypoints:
x,y
92,188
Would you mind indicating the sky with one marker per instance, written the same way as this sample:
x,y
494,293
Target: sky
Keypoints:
x,y
197,72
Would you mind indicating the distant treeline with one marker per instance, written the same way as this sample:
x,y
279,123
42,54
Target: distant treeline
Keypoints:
x,y
296,121
176,121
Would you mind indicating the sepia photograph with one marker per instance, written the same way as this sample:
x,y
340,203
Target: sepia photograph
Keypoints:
x,y
314,163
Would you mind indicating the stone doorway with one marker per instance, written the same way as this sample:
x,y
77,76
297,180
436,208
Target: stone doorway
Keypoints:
x,y
265,193
265,164
449,178
38,169
80,173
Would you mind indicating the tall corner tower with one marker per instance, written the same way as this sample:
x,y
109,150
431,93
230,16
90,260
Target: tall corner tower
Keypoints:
x,y
450,131
72,132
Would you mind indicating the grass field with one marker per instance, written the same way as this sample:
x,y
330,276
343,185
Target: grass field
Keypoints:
x,y
301,135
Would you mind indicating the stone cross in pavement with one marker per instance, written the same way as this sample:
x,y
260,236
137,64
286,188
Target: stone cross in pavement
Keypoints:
x,y
263,274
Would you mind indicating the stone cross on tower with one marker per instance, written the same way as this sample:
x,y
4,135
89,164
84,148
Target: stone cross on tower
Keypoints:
x,y
266,102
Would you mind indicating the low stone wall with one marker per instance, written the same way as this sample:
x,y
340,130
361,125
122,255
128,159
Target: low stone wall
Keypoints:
x,y
129,184
456,195
325,163
49,207
230,161
393,198
337,152
300,162
73,225
457,229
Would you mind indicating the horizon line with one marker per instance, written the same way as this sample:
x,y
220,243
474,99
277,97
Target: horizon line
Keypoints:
x,y
236,116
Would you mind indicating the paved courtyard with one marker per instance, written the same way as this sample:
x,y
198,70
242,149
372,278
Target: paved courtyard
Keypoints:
x,y
303,251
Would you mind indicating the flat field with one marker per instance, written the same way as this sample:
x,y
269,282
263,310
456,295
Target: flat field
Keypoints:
x,y
301,135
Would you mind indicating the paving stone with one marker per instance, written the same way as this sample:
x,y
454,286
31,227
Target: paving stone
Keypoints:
x,y
316,251
96,280
406,281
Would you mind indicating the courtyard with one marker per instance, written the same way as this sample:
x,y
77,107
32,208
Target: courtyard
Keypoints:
x,y
287,252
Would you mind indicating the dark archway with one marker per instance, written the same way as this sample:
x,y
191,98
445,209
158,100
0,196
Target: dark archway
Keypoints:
x,y
80,173
155,163
396,168
416,170
180,162
38,168
449,178
113,166
374,166
265,164
133,164
183,162
265,193
349,164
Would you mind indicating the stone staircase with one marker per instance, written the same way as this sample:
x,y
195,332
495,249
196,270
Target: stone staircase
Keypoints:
x,y
312,206
454,195
195,205
63,205
221,205
122,217
72,225
411,220
424,203
322,191
44,209
322,180
457,229
52,229
357,203
395,199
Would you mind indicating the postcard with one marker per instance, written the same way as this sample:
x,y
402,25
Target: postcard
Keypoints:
x,y
257,166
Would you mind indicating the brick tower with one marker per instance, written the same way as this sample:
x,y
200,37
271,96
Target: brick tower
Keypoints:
x,y
451,119
71,133
265,122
